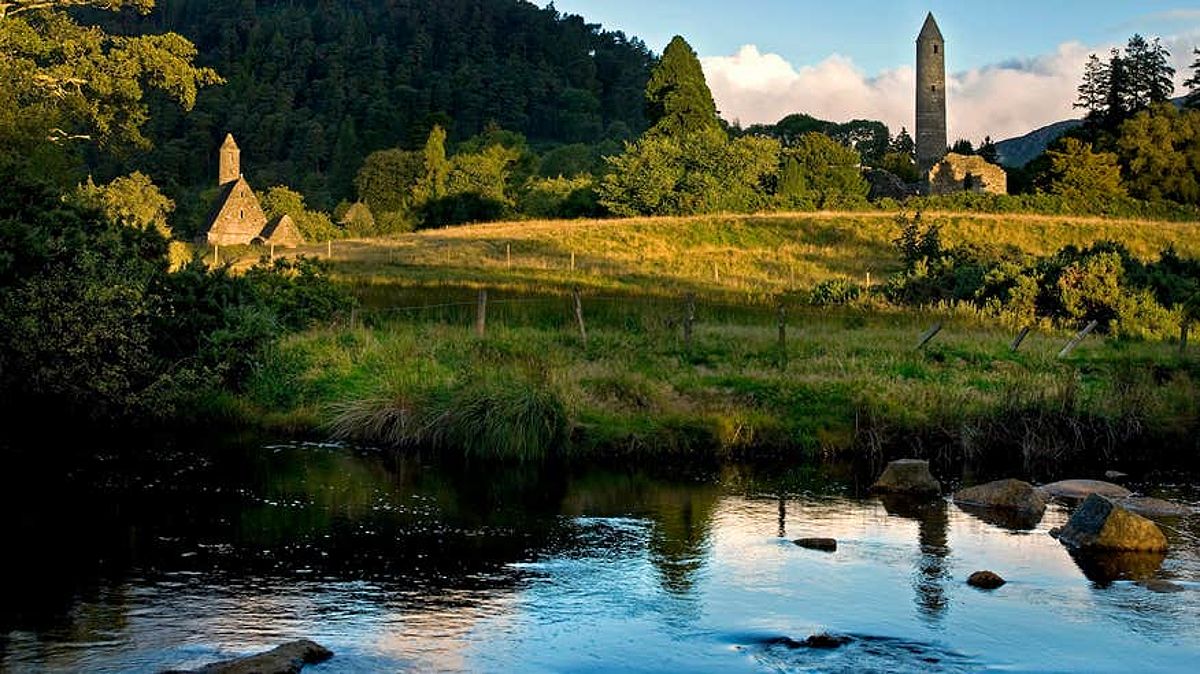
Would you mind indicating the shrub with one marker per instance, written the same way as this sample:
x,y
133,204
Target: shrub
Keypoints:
x,y
834,292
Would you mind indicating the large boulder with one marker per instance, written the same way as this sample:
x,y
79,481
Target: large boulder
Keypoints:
x,y
907,476
289,658
1100,524
1005,495
1077,490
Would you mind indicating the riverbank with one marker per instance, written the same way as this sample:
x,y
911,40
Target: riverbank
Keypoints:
x,y
846,383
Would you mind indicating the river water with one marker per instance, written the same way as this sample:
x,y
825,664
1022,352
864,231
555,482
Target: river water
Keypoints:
x,y
398,565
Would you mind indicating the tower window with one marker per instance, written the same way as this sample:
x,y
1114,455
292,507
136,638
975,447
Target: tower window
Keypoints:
x,y
935,49
242,215
933,87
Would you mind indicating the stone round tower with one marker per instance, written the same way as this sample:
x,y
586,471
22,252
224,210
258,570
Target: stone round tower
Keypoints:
x,y
931,95
229,166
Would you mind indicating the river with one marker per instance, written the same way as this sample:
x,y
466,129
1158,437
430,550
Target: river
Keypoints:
x,y
398,564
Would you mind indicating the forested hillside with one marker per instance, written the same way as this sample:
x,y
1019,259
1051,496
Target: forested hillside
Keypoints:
x,y
313,86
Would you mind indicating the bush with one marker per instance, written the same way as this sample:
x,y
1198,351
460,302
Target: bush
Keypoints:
x,y
834,292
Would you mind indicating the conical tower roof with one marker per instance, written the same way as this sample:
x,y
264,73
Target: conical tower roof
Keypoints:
x,y
229,143
930,30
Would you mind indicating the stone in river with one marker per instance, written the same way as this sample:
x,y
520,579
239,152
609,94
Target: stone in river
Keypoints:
x,y
1101,524
1154,507
1081,489
985,580
907,476
1003,494
289,658
823,544
1161,586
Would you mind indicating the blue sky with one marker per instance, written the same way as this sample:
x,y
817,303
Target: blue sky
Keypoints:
x,y
1014,64
878,35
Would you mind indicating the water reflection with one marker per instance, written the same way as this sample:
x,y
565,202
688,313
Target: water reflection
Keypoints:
x,y
930,569
398,564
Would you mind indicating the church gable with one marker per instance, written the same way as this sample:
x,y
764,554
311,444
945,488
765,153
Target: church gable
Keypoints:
x,y
282,231
237,217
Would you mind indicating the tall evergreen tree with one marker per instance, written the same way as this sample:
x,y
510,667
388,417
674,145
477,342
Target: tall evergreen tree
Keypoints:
x,y
1094,88
1151,77
1117,97
678,100
1193,84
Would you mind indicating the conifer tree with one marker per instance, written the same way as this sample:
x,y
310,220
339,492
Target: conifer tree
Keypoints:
x,y
1094,89
1193,84
678,100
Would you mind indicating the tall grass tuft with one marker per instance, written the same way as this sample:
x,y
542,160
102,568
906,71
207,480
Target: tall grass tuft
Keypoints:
x,y
509,420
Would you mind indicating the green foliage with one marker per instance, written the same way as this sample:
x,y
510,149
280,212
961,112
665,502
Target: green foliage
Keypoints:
x,y
1160,151
313,225
1088,180
820,173
388,178
315,87
835,292
432,185
869,138
78,82
678,101
1105,283
902,165
131,201
549,198
1192,100
705,173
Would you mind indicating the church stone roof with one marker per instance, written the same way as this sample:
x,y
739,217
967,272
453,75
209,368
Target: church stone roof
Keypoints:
x,y
282,231
930,30
236,217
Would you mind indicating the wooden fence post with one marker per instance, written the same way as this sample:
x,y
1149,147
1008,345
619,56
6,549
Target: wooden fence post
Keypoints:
x,y
689,317
481,313
577,297
216,254
1020,338
272,252
782,317
929,335
1078,339
716,273
572,260
329,248
508,254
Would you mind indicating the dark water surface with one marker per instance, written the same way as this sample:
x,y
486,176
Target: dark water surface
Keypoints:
x,y
396,565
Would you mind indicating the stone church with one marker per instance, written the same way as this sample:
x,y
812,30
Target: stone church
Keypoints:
x,y
236,217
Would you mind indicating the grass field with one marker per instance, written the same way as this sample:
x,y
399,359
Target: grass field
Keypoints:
x,y
844,381
733,257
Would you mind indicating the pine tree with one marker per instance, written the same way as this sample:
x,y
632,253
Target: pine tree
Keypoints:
x,y
1093,91
989,151
678,100
1151,77
904,144
1117,94
1193,84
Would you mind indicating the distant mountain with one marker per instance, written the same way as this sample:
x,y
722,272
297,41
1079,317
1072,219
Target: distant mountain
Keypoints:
x,y
1017,152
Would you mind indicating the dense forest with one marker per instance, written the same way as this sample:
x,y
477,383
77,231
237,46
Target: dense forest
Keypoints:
x,y
314,86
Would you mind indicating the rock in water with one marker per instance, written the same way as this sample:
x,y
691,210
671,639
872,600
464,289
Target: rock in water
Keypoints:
x,y
1154,507
1004,494
1161,586
907,476
1081,489
289,658
823,544
1100,524
985,580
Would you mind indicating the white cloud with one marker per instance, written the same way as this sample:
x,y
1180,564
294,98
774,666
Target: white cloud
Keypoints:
x,y
1001,100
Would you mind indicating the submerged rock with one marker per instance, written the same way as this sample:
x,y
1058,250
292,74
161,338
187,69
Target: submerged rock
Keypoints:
x,y
985,580
907,476
822,544
1012,495
1081,489
819,641
1102,524
1154,507
1161,586
1115,475
289,658
1105,566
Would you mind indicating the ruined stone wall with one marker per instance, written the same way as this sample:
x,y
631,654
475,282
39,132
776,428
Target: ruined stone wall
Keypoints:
x,y
962,173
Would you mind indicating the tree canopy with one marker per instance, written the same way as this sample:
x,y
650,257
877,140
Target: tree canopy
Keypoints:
x,y
678,100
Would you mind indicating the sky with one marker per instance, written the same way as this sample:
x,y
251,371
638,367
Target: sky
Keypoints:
x,y
1013,65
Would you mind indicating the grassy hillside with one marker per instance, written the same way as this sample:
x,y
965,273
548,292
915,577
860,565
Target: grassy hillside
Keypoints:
x,y
411,371
740,257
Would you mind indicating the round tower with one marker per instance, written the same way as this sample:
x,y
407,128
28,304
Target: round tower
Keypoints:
x,y
229,167
931,95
